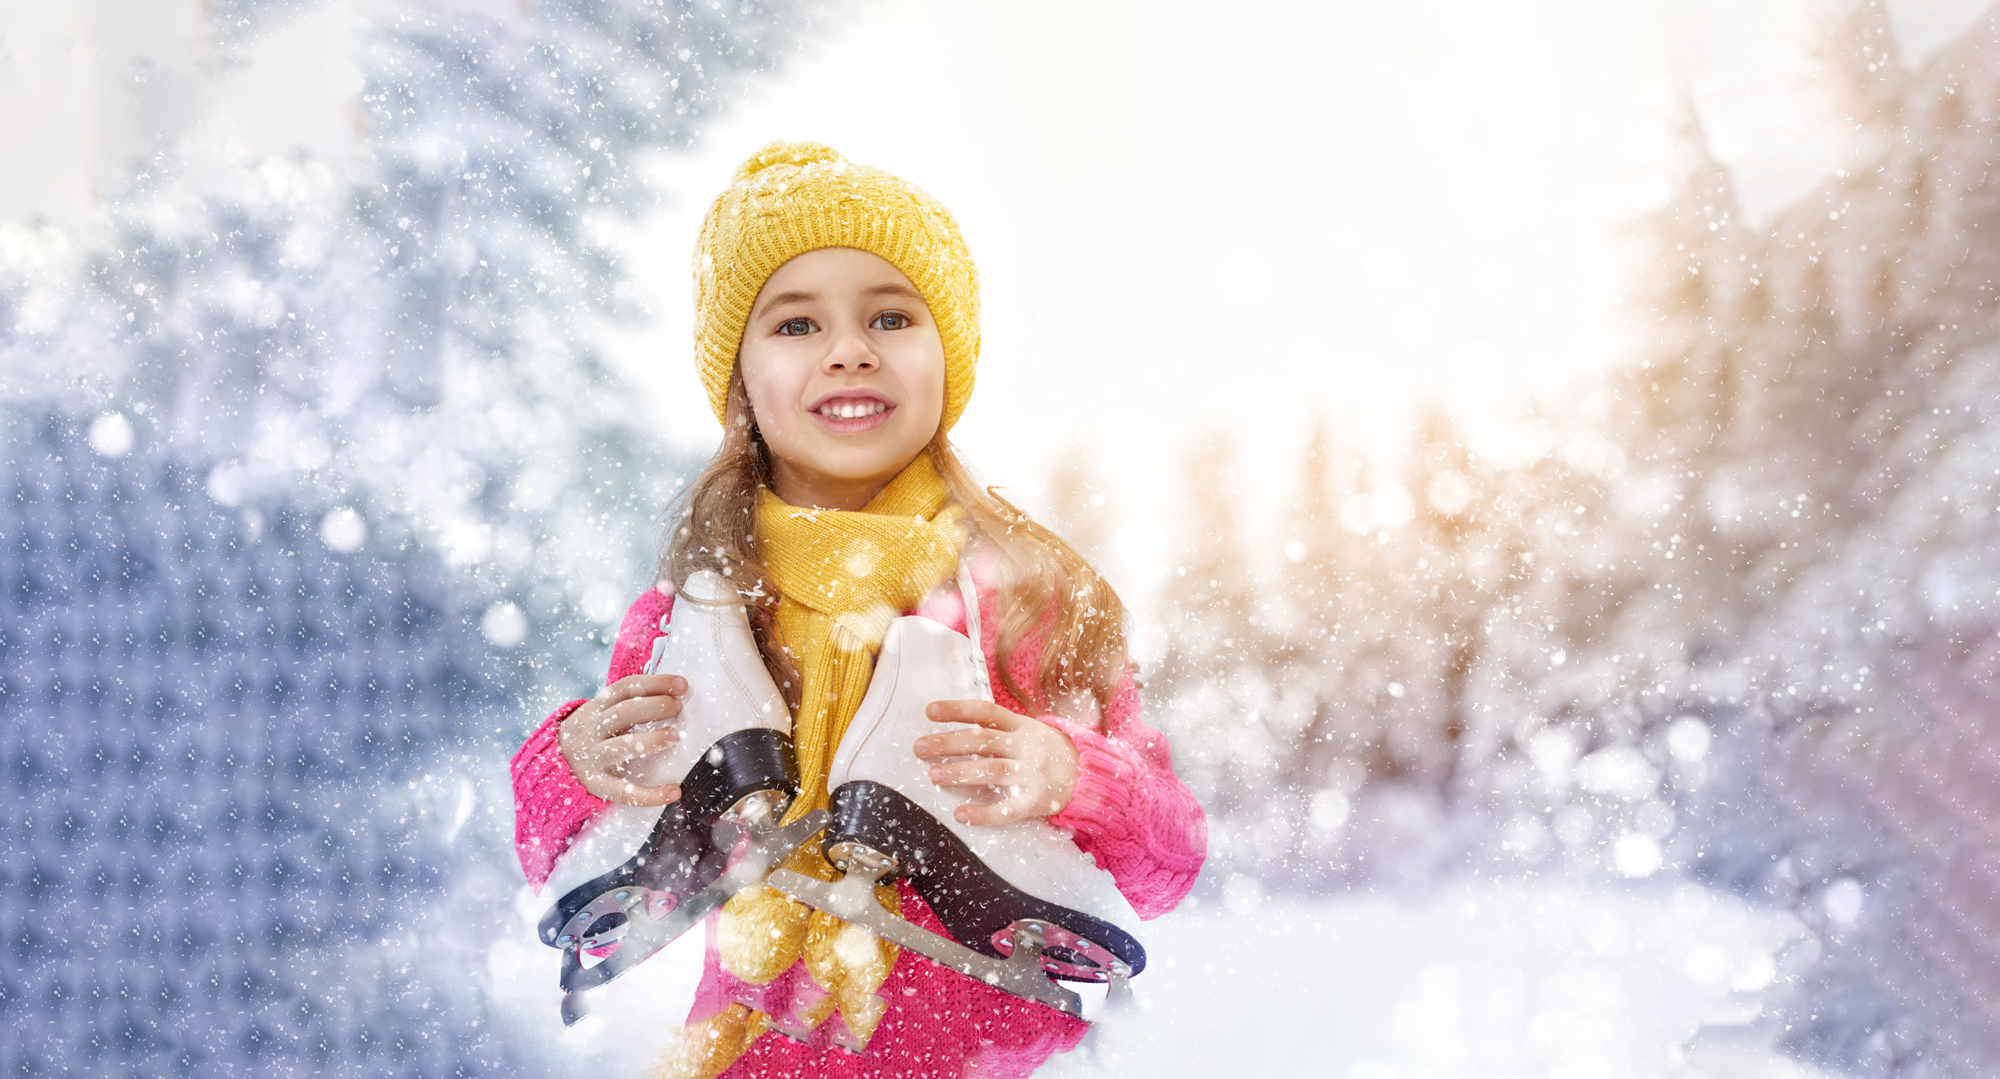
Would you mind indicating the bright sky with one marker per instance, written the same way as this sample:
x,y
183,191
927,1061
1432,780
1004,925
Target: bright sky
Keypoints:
x,y
1191,217
1188,217
1187,223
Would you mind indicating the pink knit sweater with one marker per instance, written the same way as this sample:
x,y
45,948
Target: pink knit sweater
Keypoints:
x,y
1129,812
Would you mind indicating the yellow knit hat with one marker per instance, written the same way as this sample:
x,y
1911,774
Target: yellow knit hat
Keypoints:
x,y
795,197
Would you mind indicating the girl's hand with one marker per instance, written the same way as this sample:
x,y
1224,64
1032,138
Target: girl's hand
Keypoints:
x,y
600,745
1031,764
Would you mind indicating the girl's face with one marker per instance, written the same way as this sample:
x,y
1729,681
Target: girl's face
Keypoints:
x,y
845,373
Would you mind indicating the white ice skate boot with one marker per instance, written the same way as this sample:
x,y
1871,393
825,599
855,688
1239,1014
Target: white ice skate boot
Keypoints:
x,y
637,877
1023,902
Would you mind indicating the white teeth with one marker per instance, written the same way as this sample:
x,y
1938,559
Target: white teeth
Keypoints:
x,y
850,411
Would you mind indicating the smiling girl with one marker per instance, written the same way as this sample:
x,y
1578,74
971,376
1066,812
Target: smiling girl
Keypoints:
x,y
837,333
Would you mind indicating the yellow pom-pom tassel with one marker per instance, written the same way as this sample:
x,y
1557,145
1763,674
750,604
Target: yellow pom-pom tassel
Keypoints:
x,y
781,152
761,933
706,1050
851,964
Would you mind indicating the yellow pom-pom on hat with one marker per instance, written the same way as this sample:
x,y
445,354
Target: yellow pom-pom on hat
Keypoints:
x,y
793,197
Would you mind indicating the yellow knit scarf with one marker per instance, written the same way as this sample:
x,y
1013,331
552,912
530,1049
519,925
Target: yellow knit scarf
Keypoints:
x,y
841,577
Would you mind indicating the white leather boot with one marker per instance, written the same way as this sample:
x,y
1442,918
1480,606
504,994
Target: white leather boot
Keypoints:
x,y
1024,904
638,877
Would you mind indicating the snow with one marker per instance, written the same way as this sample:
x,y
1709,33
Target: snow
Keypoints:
x,y
1487,979
1654,738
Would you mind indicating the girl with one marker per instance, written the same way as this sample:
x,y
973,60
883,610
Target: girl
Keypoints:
x,y
837,329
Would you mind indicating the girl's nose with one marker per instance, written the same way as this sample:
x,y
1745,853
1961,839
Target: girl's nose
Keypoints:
x,y
849,353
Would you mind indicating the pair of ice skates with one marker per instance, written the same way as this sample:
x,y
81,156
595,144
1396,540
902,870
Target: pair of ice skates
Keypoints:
x,y
1024,905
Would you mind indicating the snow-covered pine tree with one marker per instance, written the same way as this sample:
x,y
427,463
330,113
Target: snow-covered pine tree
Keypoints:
x,y
1837,367
418,332
315,491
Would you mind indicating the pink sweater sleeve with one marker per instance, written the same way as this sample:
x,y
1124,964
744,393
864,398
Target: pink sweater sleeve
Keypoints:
x,y
1129,812
550,806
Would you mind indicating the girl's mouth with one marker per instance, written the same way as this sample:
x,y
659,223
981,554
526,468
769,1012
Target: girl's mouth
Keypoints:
x,y
853,413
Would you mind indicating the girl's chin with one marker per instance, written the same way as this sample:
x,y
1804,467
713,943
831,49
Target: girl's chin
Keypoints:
x,y
839,478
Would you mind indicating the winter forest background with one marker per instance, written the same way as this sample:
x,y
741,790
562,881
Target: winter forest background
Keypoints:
x,y
1662,746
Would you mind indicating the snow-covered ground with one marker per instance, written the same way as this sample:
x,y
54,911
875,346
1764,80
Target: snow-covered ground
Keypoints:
x,y
1476,980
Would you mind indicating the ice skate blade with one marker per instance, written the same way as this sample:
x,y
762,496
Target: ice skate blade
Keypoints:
x,y
1118,994
748,771
852,900
978,906
645,935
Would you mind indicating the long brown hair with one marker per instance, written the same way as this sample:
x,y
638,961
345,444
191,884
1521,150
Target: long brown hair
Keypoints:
x,y
1047,591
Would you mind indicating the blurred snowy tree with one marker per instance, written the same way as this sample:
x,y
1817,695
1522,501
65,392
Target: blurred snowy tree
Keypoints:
x,y
1211,669
1824,412
1368,659
253,819
1077,503
1746,626
415,337
316,493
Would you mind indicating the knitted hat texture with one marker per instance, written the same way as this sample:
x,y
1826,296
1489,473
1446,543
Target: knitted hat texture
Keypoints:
x,y
793,197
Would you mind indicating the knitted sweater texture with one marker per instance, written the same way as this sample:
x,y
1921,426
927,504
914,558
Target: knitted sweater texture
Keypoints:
x,y
1129,812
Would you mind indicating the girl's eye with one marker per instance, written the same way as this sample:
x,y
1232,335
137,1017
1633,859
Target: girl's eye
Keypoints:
x,y
892,320
795,327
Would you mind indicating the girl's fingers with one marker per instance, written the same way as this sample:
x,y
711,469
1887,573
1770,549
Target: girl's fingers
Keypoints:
x,y
652,796
628,714
984,713
1016,806
642,685
626,748
1031,764
641,698
626,792
980,816
655,796
599,742
578,732
982,771
962,743
1024,792
602,772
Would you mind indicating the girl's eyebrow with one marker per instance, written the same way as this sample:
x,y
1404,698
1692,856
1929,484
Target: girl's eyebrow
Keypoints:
x,y
782,298
892,288
886,288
